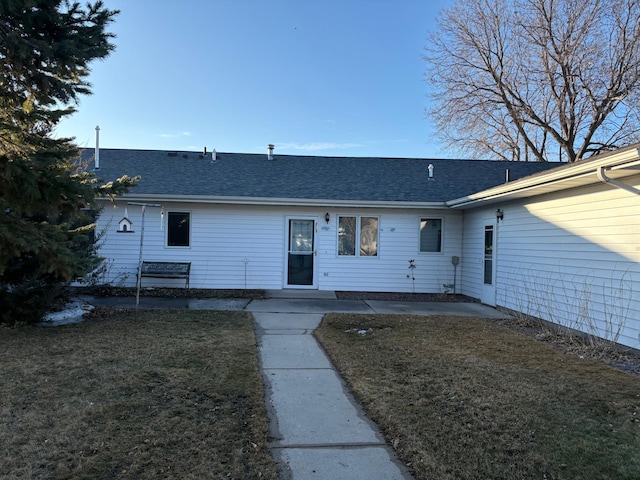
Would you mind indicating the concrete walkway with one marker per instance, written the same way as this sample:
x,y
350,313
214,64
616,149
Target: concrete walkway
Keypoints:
x,y
300,305
318,431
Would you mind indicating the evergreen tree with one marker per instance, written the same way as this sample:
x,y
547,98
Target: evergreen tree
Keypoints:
x,y
46,198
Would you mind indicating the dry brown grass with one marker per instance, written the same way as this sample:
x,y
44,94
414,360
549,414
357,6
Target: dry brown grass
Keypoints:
x,y
162,292
464,398
173,394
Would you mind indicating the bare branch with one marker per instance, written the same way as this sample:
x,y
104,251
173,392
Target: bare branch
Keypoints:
x,y
536,79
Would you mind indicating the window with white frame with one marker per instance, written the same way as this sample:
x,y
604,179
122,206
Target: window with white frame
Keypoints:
x,y
357,236
430,235
178,229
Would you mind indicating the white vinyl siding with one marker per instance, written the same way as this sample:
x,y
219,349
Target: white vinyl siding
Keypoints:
x,y
244,247
471,264
231,247
572,259
398,242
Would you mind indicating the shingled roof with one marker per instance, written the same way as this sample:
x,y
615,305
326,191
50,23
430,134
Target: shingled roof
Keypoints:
x,y
252,176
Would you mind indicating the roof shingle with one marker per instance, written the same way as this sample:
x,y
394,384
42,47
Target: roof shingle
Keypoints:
x,y
192,174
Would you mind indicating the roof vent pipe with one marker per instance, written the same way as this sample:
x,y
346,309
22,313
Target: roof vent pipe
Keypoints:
x,y
430,169
204,152
97,155
507,176
270,148
214,155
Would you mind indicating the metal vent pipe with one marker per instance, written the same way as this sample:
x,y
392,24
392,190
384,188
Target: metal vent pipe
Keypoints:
x,y
97,154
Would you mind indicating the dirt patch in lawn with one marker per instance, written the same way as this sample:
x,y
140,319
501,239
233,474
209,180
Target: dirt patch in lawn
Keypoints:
x,y
109,291
174,394
463,398
577,344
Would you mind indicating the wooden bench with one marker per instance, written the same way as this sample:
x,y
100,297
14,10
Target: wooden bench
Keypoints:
x,y
166,270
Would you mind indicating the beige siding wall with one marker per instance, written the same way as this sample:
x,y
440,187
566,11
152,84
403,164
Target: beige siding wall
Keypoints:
x,y
572,258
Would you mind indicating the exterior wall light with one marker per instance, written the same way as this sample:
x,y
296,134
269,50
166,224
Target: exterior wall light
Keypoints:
x,y
327,217
499,214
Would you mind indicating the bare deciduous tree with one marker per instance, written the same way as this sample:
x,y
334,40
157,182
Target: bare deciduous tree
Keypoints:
x,y
536,80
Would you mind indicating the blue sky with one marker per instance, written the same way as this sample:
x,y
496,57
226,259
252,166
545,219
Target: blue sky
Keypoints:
x,y
313,77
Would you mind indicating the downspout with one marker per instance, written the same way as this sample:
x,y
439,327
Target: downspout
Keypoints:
x,y
616,183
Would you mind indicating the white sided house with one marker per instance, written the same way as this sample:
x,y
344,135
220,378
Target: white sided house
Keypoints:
x,y
562,245
558,243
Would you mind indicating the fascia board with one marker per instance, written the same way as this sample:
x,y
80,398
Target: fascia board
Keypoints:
x,y
627,159
635,165
264,201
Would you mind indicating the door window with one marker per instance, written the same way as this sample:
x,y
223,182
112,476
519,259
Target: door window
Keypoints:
x,y
300,254
488,255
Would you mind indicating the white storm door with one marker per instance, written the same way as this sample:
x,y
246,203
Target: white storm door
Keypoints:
x,y
300,268
489,265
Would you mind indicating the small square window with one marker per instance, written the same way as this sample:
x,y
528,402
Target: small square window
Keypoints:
x,y
178,229
431,235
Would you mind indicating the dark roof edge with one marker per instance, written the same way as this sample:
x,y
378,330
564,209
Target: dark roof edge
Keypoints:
x,y
368,157
585,169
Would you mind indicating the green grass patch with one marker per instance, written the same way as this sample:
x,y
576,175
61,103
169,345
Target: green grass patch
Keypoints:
x,y
463,398
165,394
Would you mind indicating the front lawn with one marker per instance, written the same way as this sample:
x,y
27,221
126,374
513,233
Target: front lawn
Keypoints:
x,y
174,394
463,398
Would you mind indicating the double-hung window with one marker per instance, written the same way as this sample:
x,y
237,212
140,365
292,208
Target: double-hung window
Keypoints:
x,y
178,229
430,235
357,236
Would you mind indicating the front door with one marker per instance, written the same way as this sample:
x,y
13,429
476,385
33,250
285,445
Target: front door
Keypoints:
x,y
301,253
489,265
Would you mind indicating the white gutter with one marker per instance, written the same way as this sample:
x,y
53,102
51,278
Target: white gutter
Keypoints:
x,y
616,183
295,202
584,169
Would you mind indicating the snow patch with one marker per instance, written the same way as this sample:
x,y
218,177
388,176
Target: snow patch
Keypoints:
x,y
359,331
72,313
